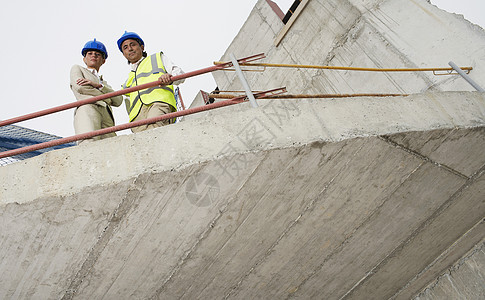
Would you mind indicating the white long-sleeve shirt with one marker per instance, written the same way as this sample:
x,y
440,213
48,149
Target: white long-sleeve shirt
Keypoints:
x,y
100,77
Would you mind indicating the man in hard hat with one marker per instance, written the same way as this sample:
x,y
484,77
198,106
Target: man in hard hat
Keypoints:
x,y
86,82
152,102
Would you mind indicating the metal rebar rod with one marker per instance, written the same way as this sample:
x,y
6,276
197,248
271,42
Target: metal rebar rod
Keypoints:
x,y
466,77
347,68
229,96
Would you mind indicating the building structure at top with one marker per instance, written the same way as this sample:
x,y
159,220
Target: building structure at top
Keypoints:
x,y
14,137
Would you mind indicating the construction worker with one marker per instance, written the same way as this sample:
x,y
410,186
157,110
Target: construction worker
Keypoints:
x,y
152,102
86,82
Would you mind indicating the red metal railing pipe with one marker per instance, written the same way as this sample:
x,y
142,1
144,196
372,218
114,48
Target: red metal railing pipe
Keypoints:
x,y
122,92
134,124
119,127
104,96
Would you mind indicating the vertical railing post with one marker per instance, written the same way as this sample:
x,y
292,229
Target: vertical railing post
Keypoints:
x,y
466,77
245,84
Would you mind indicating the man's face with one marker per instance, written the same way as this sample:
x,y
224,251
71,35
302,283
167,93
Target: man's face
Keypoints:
x,y
132,51
94,59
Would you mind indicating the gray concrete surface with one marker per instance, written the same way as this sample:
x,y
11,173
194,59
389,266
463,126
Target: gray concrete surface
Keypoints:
x,y
359,33
353,198
288,200
464,280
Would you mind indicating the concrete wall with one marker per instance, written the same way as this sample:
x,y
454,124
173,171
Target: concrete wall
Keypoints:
x,y
374,34
464,280
293,199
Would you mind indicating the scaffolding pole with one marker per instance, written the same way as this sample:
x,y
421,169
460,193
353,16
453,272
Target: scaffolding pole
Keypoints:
x,y
466,77
244,82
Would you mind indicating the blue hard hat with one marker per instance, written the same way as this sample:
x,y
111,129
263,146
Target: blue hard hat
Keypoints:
x,y
129,35
94,45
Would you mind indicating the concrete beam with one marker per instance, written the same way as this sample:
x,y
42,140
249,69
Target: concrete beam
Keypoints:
x,y
292,198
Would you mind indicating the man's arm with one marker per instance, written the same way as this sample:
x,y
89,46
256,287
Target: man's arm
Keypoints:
x,y
115,101
172,69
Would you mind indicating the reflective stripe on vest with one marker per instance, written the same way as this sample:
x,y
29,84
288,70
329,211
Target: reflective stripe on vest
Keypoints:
x,y
149,70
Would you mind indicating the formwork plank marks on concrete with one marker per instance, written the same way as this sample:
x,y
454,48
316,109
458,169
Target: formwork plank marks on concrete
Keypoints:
x,y
456,217
125,255
258,43
255,221
192,277
453,254
324,27
373,170
375,53
393,19
166,221
53,237
278,77
464,280
142,250
460,149
259,31
375,240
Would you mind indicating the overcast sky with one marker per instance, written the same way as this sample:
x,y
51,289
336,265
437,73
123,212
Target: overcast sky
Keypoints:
x,y
43,39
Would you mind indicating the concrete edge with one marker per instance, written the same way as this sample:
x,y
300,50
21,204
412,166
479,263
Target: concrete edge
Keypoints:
x,y
231,130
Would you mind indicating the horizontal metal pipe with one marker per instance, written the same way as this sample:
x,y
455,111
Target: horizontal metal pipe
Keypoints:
x,y
346,68
173,115
229,96
91,134
102,97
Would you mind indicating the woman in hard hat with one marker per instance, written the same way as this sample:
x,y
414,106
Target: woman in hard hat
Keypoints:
x,y
86,82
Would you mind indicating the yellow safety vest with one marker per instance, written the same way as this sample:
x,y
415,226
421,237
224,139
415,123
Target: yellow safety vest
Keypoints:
x,y
149,70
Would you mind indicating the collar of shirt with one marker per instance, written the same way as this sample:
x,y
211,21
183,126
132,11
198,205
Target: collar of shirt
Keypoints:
x,y
95,73
135,65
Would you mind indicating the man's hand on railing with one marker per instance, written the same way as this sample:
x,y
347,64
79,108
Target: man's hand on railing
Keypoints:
x,y
165,79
